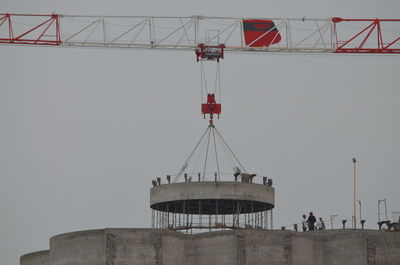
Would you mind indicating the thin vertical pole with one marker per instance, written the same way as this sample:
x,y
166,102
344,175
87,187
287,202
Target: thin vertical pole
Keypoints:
x,y
200,217
156,219
387,219
104,30
152,218
287,33
354,194
168,215
233,215
238,214
241,32
252,213
187,215
196,30
216,212
159,219
272,221
265,219
332,43
379,211
184,212
174,215
150,31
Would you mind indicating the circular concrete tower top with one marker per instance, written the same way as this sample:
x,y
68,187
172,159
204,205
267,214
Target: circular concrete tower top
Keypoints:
x,y
212,197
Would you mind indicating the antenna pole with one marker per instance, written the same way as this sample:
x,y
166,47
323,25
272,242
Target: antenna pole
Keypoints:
x,y
354,193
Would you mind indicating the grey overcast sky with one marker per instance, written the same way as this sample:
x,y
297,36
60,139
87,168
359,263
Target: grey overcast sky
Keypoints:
x,y
83,131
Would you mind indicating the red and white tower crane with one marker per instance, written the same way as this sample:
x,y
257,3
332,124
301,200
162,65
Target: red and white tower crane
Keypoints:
x,y
321,35
210,38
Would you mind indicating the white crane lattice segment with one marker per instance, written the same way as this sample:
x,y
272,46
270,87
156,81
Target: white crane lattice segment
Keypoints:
x,y
186,33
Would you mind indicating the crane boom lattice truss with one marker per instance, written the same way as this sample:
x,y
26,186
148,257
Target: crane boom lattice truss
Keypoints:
x,y
331,35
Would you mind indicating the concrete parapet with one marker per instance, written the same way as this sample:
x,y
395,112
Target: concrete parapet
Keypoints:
x,y
226,192
36,258
238,247
83,247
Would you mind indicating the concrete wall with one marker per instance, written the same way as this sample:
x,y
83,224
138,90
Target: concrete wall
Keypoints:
x,y
264,247
212,190
173,249
133,246
211,248
239,247
36,258
84,247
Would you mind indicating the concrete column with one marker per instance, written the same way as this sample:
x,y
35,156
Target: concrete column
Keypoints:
x,y
272,221
152,218
200,218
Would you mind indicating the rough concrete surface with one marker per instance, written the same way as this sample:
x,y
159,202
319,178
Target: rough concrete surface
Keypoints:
x,y
36,258
238,247
207,190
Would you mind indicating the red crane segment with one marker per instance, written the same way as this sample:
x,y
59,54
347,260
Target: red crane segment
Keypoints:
x,y
46,32
211,107
369,39
210,53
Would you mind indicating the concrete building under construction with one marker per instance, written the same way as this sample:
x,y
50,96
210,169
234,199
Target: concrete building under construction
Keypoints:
x,y
210,219
236,214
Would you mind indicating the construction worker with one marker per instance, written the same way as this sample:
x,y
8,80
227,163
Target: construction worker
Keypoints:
x,y
311,221
321,224
304,223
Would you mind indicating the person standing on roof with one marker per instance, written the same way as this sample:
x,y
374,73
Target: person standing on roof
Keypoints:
x,y
304,223
321,224
311,222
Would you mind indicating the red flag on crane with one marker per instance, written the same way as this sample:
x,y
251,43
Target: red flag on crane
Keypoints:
x,y
260,33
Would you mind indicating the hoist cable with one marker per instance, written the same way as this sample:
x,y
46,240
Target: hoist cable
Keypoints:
x,y
219,84
208,145
203,75
233,154
201,82
187,160
216,79
198,158
216,153
227,153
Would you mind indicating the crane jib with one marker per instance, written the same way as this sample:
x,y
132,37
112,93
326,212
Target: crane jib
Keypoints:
x,y
236,34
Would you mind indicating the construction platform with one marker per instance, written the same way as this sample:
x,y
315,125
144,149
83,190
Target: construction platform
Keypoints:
x,y
211,205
